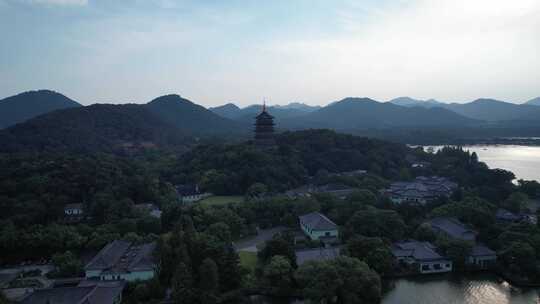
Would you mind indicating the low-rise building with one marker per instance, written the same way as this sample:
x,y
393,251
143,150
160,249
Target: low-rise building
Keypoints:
x,y
318,227
122,260
453,228
73,213
87,292
190,193
73,209
507,217
421,190
481,256
316,254
422,256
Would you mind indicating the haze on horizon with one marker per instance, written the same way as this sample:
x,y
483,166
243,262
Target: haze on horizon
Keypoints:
x,y
310,51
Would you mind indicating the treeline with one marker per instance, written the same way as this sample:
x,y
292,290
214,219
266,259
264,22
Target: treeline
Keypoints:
x,y
232,169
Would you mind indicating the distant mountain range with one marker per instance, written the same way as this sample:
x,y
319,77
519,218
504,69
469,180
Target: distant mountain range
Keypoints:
x,y
534,102
246,114
362,113
46,120
191,117
21,107
99,127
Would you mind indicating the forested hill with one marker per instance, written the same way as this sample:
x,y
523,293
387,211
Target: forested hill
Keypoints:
x,y
21,107
190,117
231,169
362,113
95,128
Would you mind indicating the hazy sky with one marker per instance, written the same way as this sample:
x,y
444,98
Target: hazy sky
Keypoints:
x,y
313,51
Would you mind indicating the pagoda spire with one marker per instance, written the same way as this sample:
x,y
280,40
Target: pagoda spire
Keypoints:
x,y
264,128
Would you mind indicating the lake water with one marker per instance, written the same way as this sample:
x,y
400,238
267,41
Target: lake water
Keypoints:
x,y
448,289
452,289
524,161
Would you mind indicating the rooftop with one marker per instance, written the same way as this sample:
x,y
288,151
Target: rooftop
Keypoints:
x,y
482,250
188,189
122,256
421,251
87,293
317,221
453,227
317,254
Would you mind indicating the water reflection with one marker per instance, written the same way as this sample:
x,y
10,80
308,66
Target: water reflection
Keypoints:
x,y
448,289
524,161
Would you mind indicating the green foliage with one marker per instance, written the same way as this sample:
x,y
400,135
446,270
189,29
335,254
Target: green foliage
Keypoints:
x,y
67,265
278,272
373,251
277,246
232,169
347,279
471,210
209,281
516,202
374,222
456,250
182,285
424,233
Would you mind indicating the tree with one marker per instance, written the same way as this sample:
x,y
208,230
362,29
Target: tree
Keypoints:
x,y
209,281
278,246
221,231
373,251
520,254
319,281
425,233
279,272
456,250
256,190
182,285
343,280
375,222
67,265
516,202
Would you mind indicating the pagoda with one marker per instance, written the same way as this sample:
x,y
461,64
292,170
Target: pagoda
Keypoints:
x,y
264,129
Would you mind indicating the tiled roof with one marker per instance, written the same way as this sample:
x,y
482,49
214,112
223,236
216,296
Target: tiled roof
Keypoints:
x,y
88,292
421,251
505,215
453,227
423,187
317,254
187,190
482,250
123,256
317,221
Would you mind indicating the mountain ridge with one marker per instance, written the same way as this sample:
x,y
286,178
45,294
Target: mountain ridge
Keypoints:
x,y
26,105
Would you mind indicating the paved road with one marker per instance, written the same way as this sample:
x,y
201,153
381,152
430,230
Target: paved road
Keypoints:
x,y
250,244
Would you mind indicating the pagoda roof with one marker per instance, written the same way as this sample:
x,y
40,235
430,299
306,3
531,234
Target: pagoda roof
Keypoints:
x,y
264,115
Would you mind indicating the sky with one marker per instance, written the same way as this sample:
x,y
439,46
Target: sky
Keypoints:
x,y
312,51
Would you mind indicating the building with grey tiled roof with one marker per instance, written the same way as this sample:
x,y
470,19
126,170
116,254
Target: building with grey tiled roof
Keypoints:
x,y
422,255
316,254
122,260
317,226
481,256
453,228
421,190
87,292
